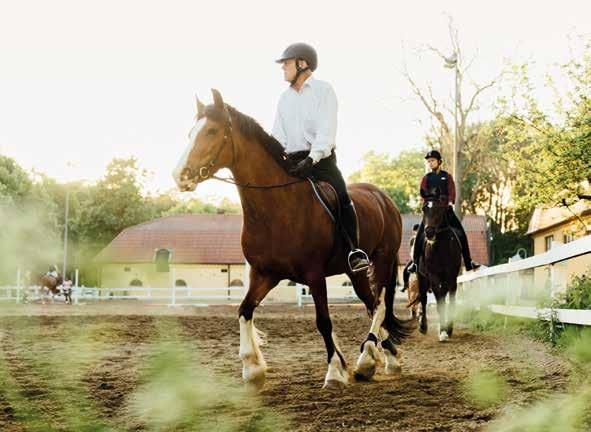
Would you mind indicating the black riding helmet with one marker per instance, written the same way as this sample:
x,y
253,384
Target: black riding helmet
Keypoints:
x,y
433,154
300,51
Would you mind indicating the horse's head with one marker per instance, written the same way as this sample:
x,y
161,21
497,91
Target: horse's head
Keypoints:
x,y
210,145
434,213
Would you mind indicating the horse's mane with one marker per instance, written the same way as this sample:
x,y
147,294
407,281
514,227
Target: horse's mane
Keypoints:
x,y
252,130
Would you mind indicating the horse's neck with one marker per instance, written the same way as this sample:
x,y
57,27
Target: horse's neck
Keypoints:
x,y
254,165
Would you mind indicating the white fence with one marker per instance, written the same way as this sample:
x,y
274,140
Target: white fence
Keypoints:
x,y
179,296
519,284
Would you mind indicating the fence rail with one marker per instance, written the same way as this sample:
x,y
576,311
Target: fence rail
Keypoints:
x,y
175,295
524,281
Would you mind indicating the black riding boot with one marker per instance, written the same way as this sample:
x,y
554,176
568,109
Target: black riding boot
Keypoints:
x,y
357,259
417,249
455,223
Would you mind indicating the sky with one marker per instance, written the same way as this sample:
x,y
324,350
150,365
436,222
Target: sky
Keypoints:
x,y
82,82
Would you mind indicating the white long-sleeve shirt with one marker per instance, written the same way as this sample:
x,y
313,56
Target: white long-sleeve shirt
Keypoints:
x,y
307,120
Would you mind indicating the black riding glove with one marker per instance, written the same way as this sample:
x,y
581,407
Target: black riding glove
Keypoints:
x,y
303,168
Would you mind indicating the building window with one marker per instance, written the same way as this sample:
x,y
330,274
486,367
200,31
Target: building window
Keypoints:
x,y
136,283
237,283
548,240
126,269
567,238
180,283
347,283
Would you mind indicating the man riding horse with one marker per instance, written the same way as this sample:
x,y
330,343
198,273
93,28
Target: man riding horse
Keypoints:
x,y
441,181
306,125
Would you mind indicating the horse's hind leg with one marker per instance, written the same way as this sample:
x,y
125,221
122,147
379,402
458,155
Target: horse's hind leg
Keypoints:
x,y
254,366
381,311
337,376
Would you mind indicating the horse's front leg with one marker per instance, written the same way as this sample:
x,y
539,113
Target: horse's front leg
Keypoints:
x,y
451,309
337,376
423,290
254,366
441,310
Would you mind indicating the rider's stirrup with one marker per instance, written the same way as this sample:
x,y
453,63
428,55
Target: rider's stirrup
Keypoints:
x,y
364,256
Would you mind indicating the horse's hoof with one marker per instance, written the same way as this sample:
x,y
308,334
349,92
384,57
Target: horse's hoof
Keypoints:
x,y
443,336
393,370
334,385
423,328
254,378
450,330
366,373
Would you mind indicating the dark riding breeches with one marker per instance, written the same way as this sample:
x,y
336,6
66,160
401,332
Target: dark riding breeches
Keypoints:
x,y
327,170
454,222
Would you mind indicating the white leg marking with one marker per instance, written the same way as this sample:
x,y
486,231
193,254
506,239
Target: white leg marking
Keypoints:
x,y
254,365
443,336
393,363
366,364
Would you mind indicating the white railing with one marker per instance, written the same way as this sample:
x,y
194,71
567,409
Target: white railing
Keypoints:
x,y
525,281
179,296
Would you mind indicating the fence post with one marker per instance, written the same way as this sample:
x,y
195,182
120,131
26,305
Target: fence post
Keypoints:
x,y
76,284
18,285
173,300
298,288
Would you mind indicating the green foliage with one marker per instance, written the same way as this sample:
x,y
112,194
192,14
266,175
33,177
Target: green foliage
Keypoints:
x,y
556,163
399,176
578,293
15,184
485,388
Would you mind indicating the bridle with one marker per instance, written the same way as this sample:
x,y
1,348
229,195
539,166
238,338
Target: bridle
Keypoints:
x,y
204,171
439,229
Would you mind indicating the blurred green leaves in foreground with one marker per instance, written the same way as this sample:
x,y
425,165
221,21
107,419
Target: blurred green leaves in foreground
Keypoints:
x,y
59,376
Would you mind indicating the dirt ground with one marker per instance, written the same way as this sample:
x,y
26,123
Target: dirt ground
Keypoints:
x,y
427,396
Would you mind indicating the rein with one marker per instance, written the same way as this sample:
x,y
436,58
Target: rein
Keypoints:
x,y
204,170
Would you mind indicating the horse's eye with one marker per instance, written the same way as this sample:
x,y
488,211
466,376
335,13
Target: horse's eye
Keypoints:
x,y
211,131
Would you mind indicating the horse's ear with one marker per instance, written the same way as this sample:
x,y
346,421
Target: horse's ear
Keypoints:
x,y
200,107
217,99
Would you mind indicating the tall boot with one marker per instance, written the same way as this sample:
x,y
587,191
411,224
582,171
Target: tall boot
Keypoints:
x,y
358,260
468,263
461,234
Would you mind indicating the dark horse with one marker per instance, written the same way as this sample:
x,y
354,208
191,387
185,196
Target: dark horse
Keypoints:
x,y
287,234
440,265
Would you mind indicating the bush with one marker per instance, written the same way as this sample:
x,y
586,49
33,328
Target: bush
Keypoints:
x,y
578,293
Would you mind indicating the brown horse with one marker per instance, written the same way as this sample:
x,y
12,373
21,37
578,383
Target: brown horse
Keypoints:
x,y
51,284
440,266
287,234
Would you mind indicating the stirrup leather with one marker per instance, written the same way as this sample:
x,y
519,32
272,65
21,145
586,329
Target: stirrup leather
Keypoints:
x,y
363,255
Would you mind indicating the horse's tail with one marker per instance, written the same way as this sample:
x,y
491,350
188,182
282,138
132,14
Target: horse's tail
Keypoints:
x,y
398,329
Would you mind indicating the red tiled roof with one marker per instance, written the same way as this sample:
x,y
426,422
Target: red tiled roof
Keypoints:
x,y
215,239
476,230
194,239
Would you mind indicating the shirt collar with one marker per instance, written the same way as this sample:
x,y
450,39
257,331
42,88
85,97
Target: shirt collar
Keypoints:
x,y
309,82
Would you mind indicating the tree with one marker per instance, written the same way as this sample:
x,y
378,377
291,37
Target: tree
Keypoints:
x,y
399,177
443,112
556,164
